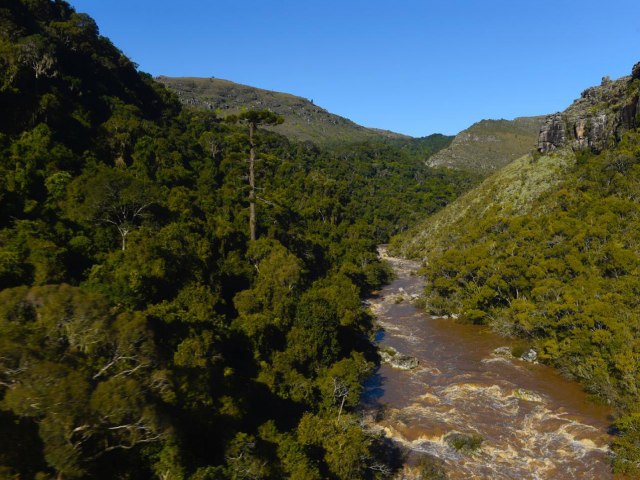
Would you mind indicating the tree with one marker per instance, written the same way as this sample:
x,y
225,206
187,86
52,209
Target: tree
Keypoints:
x,y
81,373
253,119
113,197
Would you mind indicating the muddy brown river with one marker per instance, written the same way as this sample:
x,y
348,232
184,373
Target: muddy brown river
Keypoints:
x,y
534,423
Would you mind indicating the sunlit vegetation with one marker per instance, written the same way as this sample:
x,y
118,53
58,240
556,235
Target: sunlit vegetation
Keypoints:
x,y
304,121
562,272
489,145
143,332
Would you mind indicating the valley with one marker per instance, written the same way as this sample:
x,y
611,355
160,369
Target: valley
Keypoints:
x,y
192,288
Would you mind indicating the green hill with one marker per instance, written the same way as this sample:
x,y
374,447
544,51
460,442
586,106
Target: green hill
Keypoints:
x,y
511,191
488,145
304,120
143,332
594,122
547,249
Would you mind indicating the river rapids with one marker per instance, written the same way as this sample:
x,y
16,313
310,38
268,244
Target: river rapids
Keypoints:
x,y
534,424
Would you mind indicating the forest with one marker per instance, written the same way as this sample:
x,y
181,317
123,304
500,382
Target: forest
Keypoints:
x,y
181,294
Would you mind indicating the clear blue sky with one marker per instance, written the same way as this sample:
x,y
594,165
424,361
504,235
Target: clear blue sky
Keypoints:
x,y
412,66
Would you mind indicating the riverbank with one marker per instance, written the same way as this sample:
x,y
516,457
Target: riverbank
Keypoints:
x,y
525,420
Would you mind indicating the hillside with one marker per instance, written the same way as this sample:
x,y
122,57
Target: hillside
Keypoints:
x,y
511,191
488,145
143,332
304,121
547,249
592,123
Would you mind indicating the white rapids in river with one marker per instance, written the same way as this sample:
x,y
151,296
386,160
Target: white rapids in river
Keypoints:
x,y
534,424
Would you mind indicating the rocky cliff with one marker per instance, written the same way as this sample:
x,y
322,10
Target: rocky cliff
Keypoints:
x,y
597,119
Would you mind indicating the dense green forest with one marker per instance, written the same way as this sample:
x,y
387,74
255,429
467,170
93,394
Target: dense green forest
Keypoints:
x,y
565,275
142,333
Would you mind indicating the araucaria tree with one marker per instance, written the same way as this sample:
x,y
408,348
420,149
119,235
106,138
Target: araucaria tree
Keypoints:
x,y
253,119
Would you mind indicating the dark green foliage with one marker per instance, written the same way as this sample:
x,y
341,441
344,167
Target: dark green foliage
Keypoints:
x,y
464,442
142,333
429,468
627,445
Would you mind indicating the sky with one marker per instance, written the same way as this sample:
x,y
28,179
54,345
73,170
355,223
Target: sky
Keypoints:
x,y
412,66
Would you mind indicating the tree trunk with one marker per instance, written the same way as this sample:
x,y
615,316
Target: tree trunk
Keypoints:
x,y
252,184
341,405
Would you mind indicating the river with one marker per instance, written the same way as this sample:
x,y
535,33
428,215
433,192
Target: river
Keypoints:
x,y
534,423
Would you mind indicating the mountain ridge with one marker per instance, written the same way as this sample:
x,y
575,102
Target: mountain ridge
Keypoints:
x,y
488,145
591,124
304,121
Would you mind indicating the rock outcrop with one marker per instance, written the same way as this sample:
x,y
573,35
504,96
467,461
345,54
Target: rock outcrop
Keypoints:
x,y
527,395
597,119
398,360
552,134
503,352
530,356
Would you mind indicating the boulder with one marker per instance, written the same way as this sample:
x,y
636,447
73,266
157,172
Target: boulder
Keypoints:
x,y
398,360
527,395
635,71
530,356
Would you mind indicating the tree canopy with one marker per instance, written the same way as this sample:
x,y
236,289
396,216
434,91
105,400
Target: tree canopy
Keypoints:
x,y
143,333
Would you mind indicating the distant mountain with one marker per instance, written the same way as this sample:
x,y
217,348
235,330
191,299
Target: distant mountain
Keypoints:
x,y
488,145
304,120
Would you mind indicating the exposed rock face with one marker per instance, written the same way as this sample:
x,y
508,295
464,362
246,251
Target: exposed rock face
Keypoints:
x,y
552,134
629,113
597,119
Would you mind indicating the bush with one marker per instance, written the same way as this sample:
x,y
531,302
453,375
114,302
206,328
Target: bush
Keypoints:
x,y
463,441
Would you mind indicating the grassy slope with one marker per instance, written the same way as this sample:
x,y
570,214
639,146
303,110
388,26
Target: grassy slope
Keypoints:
x,y
515,187
488,145
509,191
303,120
